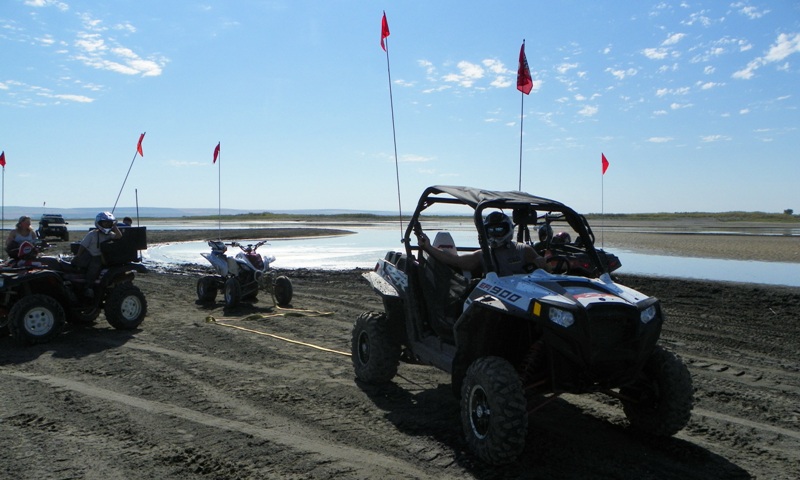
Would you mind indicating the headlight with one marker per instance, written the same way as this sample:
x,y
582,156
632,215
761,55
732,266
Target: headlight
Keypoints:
x,y
561,317
648,314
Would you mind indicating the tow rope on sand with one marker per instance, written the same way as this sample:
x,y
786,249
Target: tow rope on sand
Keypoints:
x,y
285,312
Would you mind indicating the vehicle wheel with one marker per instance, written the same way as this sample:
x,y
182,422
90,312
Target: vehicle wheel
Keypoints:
x,y
233,292
207,289
3,325
661,402
283,290
36,319
494,411
126,307
375,352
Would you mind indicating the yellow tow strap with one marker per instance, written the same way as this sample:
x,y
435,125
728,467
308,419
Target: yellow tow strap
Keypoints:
x,y
286,312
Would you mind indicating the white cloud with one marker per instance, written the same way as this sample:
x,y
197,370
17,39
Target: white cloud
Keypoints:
x,y
785,45
714,138
749,11
621,74
414,158
673,39
468,74
678,106
47,3
659,139
744,111
708,70
709,85
71,98
588,111
655,53
565,67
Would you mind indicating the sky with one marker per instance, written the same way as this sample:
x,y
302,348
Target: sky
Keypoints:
x,y
694,104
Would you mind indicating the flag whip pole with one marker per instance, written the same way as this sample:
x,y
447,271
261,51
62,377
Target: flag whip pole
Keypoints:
x,y
219,194
385,45
137,152
521,117
3,213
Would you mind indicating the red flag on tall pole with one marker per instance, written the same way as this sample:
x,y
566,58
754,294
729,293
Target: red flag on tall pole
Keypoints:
x,y
604,162
139,145
216,152
524,80
3,159
384,31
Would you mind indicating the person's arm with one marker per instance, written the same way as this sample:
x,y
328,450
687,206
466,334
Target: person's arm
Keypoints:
x,y
533,258
467,263
116,232
10,238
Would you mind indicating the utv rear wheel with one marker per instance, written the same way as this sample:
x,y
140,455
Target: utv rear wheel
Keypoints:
x,y
283,291
661,401
494,412
126,307
375,352
233,292
36,319
207,289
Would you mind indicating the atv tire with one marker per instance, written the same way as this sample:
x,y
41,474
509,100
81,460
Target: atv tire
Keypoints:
x,y
661,401
375,352
36,318
83,317
233,292
494,412
283,291
207,289
126,307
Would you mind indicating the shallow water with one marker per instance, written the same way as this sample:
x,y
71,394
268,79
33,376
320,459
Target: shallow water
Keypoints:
x,y
363,248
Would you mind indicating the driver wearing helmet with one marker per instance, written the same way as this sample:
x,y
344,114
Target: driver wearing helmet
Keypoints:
x,y
105,229
509,257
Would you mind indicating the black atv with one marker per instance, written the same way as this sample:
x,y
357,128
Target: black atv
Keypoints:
x,y
39,294
514,343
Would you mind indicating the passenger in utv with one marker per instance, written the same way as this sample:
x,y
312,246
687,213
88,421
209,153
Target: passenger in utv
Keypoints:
x,y
106,229
510,258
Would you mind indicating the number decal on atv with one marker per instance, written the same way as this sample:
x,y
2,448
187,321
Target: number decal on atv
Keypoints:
x,y
499,291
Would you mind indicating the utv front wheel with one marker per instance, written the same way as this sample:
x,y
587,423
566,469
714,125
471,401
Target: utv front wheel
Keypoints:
x,y
494,412
207,289
36,319
375,352
126,307
283,291
660,403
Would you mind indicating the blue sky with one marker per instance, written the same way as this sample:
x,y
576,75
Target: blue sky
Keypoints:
x,y
695,104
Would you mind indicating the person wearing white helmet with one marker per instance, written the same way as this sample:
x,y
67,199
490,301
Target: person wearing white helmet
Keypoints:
x,y
105,229
510,257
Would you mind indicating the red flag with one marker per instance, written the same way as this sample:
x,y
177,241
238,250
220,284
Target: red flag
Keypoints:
x,y
139,145
604,162
524,80
216,153
3,159
384,30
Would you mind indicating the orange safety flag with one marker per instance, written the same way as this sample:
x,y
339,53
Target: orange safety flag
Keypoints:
x,y
604,162
216,153
3,159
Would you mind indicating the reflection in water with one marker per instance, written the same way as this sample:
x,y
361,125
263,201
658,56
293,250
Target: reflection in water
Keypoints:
x,y
364,248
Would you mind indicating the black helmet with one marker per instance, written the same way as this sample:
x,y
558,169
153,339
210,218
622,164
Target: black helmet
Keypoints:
x,y
499,229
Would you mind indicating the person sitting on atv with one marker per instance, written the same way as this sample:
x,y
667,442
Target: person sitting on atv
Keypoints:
x,y
510,257
23,232
106,229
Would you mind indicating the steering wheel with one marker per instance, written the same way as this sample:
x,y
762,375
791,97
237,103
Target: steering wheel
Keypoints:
x,y
559,264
